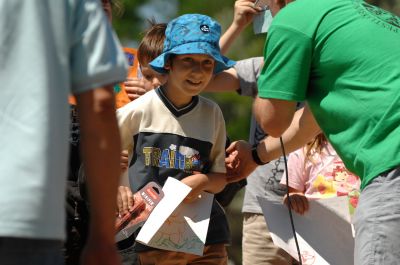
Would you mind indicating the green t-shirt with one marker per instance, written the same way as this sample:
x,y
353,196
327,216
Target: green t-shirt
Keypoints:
x,y
343,57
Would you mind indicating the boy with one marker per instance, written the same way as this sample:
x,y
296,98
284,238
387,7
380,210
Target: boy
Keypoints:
x,y
149,48
169,137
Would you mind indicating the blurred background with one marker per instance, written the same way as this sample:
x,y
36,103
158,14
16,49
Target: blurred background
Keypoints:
x,y
131,20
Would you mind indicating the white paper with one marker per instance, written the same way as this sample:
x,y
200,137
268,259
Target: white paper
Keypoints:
x,y
262,21
324,233
178,226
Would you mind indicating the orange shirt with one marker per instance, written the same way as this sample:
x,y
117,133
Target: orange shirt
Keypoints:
x,y
121,98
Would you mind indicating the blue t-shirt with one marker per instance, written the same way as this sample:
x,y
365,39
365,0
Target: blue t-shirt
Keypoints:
x,y
47,47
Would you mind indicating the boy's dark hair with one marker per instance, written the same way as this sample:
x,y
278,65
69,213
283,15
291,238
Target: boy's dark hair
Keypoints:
x,y
152,43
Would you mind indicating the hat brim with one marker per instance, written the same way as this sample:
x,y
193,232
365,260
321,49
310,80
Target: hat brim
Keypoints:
x,y
221,62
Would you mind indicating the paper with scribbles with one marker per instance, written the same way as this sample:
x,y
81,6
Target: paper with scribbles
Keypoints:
x,y
177,226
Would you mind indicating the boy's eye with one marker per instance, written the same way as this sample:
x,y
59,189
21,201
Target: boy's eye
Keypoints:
x,y
148,77
187,59
208,62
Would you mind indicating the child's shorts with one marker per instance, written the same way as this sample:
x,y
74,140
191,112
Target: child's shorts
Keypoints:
x,y
213,255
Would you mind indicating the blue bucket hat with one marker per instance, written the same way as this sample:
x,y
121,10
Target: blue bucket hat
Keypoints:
x,y
192,34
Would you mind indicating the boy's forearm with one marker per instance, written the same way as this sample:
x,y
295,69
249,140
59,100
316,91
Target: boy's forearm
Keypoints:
x,y
215,182
100,151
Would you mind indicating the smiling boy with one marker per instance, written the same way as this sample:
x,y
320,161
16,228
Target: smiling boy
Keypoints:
x,y
175,132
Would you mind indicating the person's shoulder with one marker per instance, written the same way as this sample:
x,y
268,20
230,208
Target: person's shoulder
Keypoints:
x,y
208,103
140,103
302,14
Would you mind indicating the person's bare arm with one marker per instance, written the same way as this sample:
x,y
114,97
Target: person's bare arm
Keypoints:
x,y
274,115
301,130
100,144
225,81
211,182
243,15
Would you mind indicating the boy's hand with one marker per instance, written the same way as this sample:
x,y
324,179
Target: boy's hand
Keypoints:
x,y
124,200
244,12
134,87
298,201
124,160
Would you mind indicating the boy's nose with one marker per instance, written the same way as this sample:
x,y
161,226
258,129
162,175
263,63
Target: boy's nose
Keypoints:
x,y
156,82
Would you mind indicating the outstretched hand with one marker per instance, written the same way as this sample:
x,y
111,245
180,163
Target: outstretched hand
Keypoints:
x,y
134,87
244,12
239,162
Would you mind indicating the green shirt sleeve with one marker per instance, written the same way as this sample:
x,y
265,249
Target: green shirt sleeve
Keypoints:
x,y
286,71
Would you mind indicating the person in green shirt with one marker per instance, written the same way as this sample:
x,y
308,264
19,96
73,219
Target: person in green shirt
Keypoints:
x,y
342,58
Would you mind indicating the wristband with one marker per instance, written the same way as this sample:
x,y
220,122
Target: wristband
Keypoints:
x,y
255,156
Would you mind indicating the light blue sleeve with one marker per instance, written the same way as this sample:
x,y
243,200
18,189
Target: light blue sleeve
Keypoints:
x,y
248,71
96,56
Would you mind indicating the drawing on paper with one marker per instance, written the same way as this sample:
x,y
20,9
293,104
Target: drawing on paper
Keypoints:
x,y
308,257
176,234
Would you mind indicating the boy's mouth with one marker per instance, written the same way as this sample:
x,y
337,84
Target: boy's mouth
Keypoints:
x,y
193,83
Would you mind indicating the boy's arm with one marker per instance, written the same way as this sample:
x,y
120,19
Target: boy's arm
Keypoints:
x,y
241,78
211,182
214,179
100,145
243,15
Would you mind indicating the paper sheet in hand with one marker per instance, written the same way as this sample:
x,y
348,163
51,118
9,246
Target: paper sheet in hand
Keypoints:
x,y
324,232
178,226
262,21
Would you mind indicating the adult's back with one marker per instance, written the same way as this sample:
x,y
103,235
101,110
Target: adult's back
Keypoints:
x,y
342,57
349,55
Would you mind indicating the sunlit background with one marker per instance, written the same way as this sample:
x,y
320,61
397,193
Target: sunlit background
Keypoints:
x,y
130,20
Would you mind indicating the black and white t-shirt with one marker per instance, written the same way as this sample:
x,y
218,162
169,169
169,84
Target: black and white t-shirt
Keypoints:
x,y
170,142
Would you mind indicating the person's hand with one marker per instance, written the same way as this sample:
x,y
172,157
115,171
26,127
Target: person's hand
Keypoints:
x,y
239,163
244,12
135,87
197,182
100,251
125,200
298,202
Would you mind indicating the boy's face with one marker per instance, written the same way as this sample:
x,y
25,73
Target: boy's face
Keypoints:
x,y
151,78
189,74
